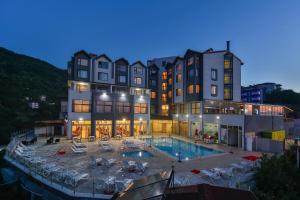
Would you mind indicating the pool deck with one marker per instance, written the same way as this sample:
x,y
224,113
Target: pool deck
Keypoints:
x,y
160,161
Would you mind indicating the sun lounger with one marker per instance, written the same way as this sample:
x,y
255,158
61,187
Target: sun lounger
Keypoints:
x,y
69,176
109,162
224,172
141,167
100,185
79,179
78,150
122,185
212,176
105,146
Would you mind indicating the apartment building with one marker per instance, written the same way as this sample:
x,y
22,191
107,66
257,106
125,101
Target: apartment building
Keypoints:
x,y
199,94
106,97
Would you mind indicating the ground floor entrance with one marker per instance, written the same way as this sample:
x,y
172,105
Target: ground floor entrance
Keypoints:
x,y
103,128
81,129
123,128
231,135
140,128
161,127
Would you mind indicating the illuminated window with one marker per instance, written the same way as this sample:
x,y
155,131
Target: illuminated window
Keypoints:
x,y
227,93
164,86
103,106
191,89
214,90
165,109
183,109
227,78
178,67
164,98
277,110
170,94
214,74
81,106
195,108
164,75
178,78
248,109
137,80
170,81
227,64
190,61
197,89
153,95
140,108
82,62
178,92
82,87
123,107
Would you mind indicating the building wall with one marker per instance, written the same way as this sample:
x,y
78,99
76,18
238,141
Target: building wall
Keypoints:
x,y
256,123
142,75
109,71
236,79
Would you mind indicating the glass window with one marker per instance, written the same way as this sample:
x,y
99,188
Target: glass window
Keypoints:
x,y
164,76
82,62
183,109
138,70
103,106
153,95
170,72
191,73
178,78
248,109
152,82
122,68
170,81
190,61
190,89
81,105
227,93
165,109
214,74
170,94
164,86
214,90
178,92
140,108
122,79
195,108
153,71
178,67
138,80
164,98
103,65
102,76
227,63
123,107
82,73
227,78
82,87
197,89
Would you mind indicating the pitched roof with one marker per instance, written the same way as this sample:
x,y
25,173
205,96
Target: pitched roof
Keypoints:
x,y
122,59
105,56
190,51
138,62
82,52
153,65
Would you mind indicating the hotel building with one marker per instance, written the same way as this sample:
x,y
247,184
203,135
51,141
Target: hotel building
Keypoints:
x,y
197,94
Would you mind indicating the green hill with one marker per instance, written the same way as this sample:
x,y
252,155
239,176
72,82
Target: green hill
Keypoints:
x,y
24,79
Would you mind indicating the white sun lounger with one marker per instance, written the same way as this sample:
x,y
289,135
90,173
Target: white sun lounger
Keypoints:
x,y
213,176
79,179
141,167
78,150
122,185
108,163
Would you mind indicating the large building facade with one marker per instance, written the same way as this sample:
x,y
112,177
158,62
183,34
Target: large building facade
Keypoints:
x,y
197,94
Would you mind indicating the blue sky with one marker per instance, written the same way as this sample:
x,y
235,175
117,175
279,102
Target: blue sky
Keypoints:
x,y
264,34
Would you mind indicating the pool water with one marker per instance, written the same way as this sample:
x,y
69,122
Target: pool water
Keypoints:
x,y
179,148
137,154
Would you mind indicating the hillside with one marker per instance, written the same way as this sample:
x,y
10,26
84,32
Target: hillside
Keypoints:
x,y
24,79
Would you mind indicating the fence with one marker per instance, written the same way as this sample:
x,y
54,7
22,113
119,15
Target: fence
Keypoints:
x,y
268,145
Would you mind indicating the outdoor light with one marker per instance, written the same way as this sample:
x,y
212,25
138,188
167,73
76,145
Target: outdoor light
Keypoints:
x,y
124,119
200,116
141,97
104,94
187,115
176,154
80,119
186,158
177,115
218,117
122,95
140,154
141,119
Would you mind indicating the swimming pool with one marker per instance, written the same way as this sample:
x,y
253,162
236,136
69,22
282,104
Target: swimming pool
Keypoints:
x,y
179,148
137,154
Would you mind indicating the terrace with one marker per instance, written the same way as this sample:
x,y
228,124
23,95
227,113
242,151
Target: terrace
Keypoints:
x,y
101,169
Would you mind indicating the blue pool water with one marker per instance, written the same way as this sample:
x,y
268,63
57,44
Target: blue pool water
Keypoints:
x,y
175,148
137,154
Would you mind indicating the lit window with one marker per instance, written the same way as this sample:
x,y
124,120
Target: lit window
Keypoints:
x,y
170,94
191,89
165,109
190,61
214,74
82,73
82,87
197,89
140,108
153,95
153,71
227,78
164,98
178,92
227,64
214,90
195,108
123,107
102,76
82,62
164,76
81,106
164,86
178,78
170,81
227,93
137,80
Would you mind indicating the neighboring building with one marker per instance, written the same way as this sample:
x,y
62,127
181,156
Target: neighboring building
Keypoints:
x,y
107,97
194,95
257,93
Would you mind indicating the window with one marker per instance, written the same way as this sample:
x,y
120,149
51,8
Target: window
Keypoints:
x,y
183,109
102,76
197,89
123,107
227,78
153,95
81,106
190,61
122,79
164,98
170,72
178,78
164,86
190,89
153,71
178,67
195,108
227,93
178,92
138,70
82,73
170,81
191,73
227,63
214,90
153,83
103,106
82,62
122,68
137,92
103,65
170,94
214,74
140,108
265,110
138,80
82,87
173,109
164,76
165,109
